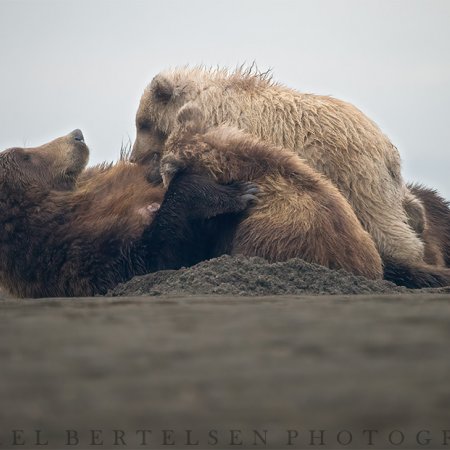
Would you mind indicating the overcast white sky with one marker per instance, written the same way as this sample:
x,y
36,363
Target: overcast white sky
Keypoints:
x,y
84,63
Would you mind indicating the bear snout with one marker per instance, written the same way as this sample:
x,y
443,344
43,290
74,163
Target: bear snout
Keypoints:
x,y
77,135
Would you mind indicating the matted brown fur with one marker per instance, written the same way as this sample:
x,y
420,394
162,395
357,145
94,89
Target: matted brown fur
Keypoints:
x,y
118,194
334,137
63,233
436,229
68,233
299,213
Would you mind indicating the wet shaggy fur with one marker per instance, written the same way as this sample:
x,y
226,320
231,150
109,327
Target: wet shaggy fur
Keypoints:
x,y
66,234
299,214
430,216
436,229
334,137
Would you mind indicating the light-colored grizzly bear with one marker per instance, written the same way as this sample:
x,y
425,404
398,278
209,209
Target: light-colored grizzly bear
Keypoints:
x,y
299,214
334,137
68,233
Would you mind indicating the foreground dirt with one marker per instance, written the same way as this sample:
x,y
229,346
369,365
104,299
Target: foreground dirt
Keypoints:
x,y
239,275
224,363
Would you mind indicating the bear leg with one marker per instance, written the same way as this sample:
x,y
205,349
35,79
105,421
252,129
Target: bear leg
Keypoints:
x,y
416,276
187,225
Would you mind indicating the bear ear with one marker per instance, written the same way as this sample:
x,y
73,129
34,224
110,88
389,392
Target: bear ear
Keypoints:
x,y
191,117
162,89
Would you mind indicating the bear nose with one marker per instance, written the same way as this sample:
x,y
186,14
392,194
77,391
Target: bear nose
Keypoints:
x,y
77,135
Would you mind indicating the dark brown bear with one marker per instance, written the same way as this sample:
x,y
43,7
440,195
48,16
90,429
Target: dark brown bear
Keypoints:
x,y
436,229
433,227
63,234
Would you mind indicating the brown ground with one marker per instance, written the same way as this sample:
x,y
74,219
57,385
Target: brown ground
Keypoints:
x,y
332,362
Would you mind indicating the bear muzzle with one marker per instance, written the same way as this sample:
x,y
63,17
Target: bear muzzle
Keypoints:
x,y
77,135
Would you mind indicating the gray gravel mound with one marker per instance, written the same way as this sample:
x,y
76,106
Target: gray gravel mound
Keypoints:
x,y
255,276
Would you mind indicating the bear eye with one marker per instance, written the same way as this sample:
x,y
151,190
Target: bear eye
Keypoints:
x,y
20,154
144,125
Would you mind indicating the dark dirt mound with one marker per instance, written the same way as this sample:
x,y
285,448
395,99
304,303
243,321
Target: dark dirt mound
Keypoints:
x,y
252,276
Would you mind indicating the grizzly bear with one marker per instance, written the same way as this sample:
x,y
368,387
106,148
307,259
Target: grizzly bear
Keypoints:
x,y
335,138
68,234
299,213
435,231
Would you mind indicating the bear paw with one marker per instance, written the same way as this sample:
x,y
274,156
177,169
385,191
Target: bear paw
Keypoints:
x,y
170,166
249,192
148,212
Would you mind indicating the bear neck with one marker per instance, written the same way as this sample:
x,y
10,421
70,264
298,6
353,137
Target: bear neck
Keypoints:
x,y
29,219
30,208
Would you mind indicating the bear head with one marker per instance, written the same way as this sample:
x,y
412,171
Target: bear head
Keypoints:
x,y
52,166
157,117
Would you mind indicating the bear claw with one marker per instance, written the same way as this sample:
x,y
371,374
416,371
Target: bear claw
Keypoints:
x,y
249,199
249,193
249,187
169,168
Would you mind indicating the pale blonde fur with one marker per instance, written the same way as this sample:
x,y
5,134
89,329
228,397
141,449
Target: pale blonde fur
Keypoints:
x,y
334,137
